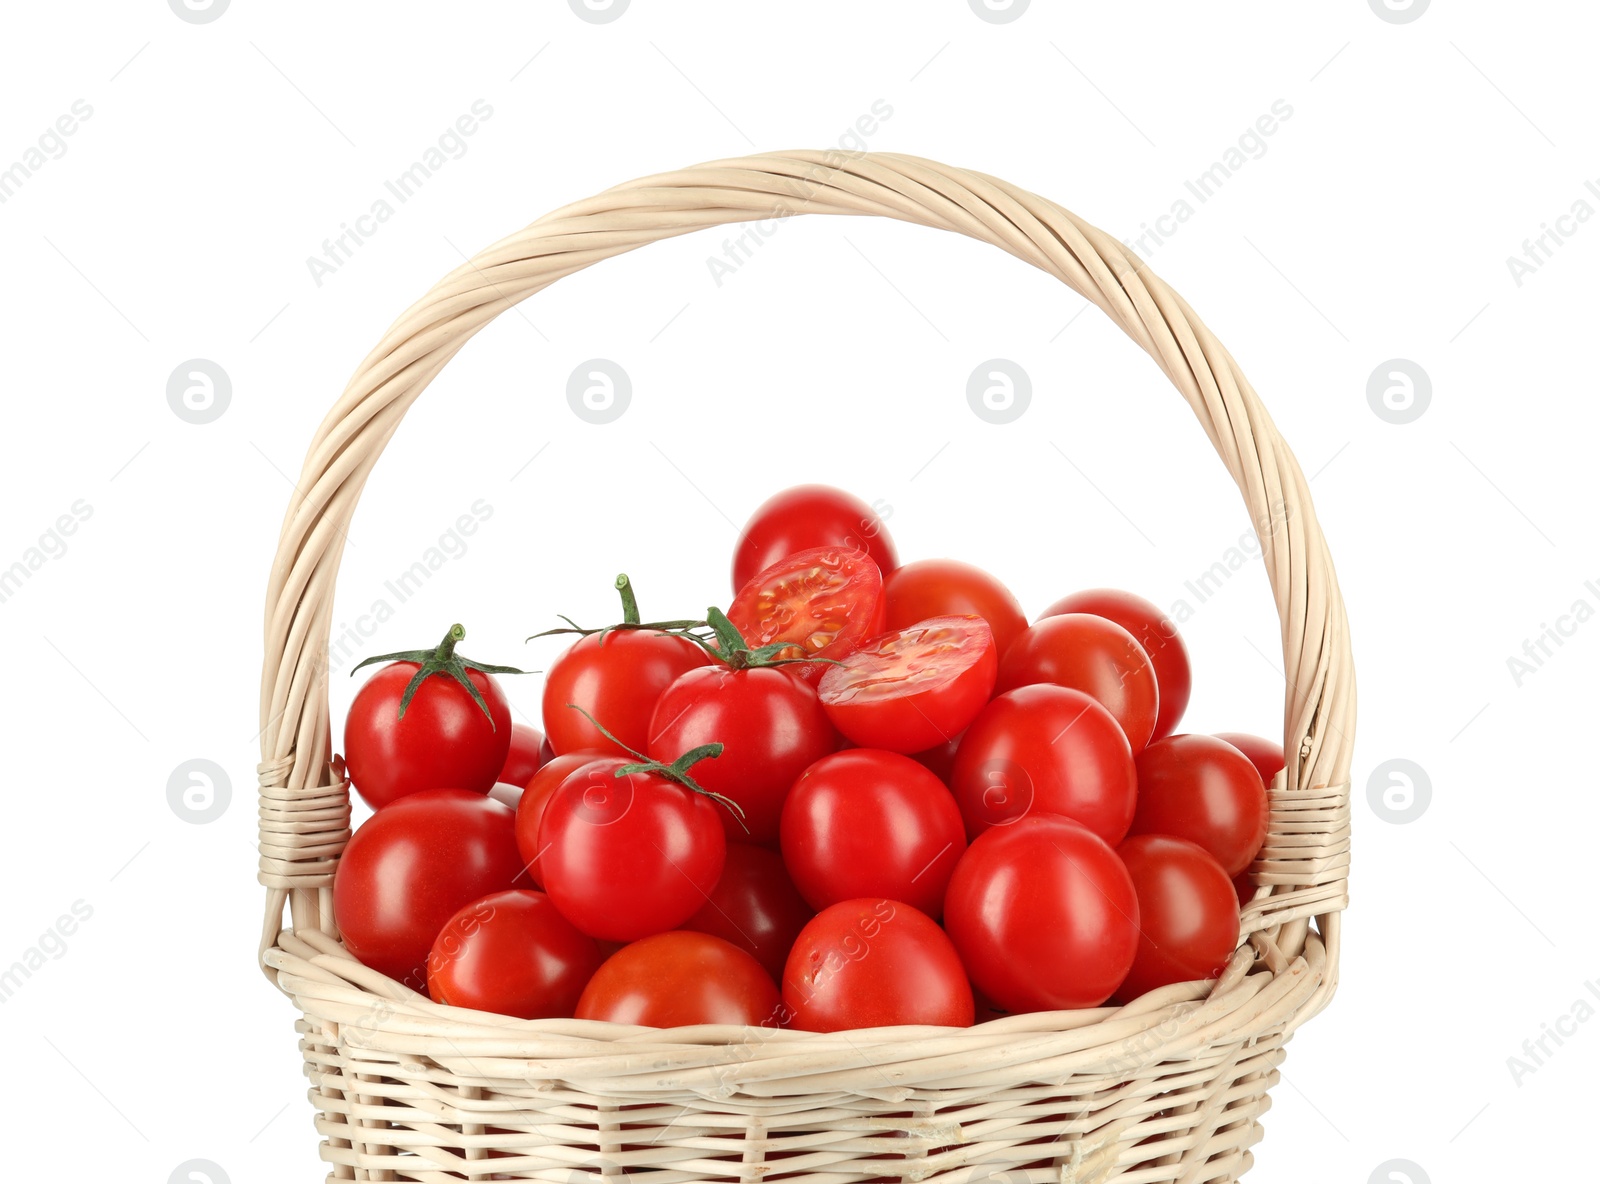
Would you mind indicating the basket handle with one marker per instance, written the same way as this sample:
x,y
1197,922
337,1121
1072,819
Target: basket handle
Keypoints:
x,y
305,805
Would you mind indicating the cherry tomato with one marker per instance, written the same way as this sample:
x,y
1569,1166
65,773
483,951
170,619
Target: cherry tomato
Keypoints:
x,y
525,755
1044,915
1154,631
809,516
770,724
826,600
1266,755
948,587
915,688
616,677
939,759
531,806
755,906
1092,655
1045,749
678,979
625,857
1188,915
874,964
444,739
1244,887
411,866
869,823
1205,790
512,953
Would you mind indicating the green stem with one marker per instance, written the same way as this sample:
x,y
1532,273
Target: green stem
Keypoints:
x,y
630,603
447,648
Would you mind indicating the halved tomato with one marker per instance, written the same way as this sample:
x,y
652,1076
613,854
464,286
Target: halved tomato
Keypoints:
x,y
912,689
826,601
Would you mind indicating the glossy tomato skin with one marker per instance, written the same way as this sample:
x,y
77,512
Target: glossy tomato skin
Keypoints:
x,y
755,906
940,759
1188,914
810,516
826,600
679,979
948,587
771,726
525,755
1092,655
914,688
625,857
1155,632
1205,790
870,823
1044,915
1266,755
616,677
1044,749
874,963
444,741
514,954
411,866
535,797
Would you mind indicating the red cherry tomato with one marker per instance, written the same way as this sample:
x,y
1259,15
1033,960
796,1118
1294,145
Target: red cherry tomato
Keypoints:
x,y
616,677
512,953
771,727
1266,755
411,866
443,741
1188,915
1244,887
1154,631
1205,790
525,755
625,857
1050,750
869,823
826,600
912,689
874,964
755,906
809,516
1044,915
939,759
1092,655
678,979
531,806
948,587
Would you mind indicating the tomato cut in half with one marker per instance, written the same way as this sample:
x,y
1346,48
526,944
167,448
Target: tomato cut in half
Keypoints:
x,y
827,600
914,688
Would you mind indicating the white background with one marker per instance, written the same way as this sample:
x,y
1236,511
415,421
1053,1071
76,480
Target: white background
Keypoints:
x,y
177,224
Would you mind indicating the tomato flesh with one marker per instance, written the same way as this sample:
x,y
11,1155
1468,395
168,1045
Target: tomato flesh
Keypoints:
x,y
948,587
915,688
826,601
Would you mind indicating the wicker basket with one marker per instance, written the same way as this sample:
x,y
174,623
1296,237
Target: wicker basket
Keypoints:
x,y
1170,1088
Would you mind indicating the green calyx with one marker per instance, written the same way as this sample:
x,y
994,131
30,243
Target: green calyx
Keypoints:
x,y
729,647
442,660
677,771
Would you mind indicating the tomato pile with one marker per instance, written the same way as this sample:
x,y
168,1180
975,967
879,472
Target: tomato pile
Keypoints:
x,y
865,794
